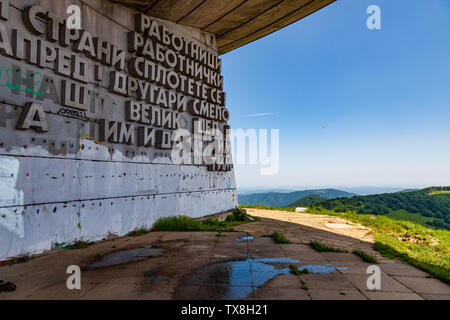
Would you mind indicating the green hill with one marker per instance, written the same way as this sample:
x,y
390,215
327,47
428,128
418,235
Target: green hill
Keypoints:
x,y
430,206
308,200
280,199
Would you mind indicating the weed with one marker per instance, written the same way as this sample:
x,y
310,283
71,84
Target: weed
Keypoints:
x,y
238,215
77,245
280,238
320,247
183,223
365,256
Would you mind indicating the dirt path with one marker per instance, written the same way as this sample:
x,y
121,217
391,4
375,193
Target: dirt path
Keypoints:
x,y
304,227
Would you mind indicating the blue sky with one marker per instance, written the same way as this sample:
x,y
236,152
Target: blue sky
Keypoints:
x,y
355,107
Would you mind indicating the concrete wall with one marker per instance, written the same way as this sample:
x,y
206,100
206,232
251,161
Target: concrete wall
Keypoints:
x,y
61,186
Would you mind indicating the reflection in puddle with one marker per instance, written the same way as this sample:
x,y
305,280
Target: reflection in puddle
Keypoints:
x,y
126,256
231,280
244,239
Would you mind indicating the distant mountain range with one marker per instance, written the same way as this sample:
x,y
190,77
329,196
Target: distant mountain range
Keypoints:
x,y
283,199
360,191
307,201
429,206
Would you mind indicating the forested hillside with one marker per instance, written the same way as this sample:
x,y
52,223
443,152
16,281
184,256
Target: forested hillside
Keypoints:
x,y
430,206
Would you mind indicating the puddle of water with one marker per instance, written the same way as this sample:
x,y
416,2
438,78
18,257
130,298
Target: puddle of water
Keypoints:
x,y
244,239
126,256
232,280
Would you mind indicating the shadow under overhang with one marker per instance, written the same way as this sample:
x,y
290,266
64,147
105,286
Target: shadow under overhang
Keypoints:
x,y
234,22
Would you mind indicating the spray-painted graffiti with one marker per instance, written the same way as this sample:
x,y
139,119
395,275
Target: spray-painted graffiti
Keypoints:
x,y
73,114
19,80
86,136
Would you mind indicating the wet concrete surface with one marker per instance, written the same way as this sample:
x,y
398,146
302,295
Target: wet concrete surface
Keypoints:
x,y
125,256
233,280
200,265
247,238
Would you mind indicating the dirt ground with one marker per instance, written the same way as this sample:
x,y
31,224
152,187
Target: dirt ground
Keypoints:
x,y
207,265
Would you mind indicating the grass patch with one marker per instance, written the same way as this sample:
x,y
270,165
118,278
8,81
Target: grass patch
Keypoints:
x,y
183,223
138,232
409,216
425,248
15,260
238,215
280,238
296,271
320,247
99,255
77,245
365,256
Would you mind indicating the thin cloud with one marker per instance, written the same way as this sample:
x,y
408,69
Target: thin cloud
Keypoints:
x,y
261,114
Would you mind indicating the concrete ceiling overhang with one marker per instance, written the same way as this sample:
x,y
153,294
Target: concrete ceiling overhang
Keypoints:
x,y
234,22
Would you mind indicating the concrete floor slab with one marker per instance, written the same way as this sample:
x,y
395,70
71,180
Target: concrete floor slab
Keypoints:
x,y
284,281
333,281
424,285
321,294
281,294
388,284
399,269
430,296
378,295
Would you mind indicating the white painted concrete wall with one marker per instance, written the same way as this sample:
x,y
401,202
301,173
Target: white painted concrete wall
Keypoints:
x,y
54,191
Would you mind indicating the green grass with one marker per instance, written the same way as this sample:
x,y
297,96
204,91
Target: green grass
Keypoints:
x,y
409,216
77,245
423,247
280,238
296,271
183,223
365,256
321,247
238,215
11,261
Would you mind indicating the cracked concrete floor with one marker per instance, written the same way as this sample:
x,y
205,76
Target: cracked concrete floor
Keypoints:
x,y
203,265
